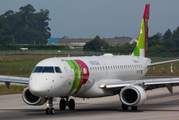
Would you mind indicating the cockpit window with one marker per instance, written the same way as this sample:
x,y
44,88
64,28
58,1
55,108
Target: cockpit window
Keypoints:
x,y
48,70
45,69
58,70
37,69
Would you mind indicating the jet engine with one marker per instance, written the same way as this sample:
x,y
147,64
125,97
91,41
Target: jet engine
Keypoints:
x,y
133,95
31,99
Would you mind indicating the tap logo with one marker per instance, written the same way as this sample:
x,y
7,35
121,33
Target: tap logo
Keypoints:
x,y
136,61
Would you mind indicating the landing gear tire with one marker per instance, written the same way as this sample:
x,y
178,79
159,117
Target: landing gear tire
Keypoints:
x,y
52,111
134,108
71,104
47,111
62,104
124,107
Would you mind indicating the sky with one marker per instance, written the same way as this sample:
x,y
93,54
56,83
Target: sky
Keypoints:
x,y
105,18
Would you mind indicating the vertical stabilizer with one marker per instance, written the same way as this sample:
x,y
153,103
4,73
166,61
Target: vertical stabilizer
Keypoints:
x,y
142,44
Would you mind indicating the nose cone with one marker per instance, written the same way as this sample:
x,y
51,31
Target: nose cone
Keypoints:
x,y
36,86
36,90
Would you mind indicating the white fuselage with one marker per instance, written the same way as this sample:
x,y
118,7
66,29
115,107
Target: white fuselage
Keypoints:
x,y
81,76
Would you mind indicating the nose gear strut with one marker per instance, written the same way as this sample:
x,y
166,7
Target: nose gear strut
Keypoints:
x,y
50,109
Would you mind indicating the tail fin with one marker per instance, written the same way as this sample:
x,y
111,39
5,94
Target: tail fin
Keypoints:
x,y
142,44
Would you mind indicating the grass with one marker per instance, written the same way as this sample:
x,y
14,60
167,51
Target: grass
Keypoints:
x,y
13,90
164,70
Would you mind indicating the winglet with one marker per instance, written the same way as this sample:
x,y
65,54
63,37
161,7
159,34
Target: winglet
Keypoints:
x,y
142,44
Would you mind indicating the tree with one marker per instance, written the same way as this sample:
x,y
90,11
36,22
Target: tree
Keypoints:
x,y
160,36
175,33
153,40
175,37
25,27
168,44
95,45
167,35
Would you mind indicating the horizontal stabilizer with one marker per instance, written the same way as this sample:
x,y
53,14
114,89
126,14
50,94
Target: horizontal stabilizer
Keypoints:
x,y
163,62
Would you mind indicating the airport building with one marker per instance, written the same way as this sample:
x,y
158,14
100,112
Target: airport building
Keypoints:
x,y
79,43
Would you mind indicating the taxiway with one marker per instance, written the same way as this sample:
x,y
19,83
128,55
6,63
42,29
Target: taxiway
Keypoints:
x,y
159,105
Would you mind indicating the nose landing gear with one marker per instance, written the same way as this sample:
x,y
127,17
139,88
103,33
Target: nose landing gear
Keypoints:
x,y
50,109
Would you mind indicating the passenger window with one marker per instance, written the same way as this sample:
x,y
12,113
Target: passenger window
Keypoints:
x,y
84,70
58,70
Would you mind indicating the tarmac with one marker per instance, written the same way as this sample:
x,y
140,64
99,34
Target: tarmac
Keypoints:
x,y
160,105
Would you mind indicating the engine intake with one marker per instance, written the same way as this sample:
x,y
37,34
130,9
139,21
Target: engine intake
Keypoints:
x,y
31,99
133,95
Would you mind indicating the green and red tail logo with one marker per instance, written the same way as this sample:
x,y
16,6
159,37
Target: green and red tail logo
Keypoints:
x,y
142,44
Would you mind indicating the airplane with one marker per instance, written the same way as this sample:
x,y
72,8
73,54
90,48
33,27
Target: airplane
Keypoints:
x,y
94,76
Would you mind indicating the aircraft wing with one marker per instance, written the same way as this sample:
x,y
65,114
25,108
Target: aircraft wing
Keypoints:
x,y
147,84
163,62
9,79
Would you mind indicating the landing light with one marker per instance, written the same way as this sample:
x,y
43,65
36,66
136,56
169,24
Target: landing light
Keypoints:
x,y
102,86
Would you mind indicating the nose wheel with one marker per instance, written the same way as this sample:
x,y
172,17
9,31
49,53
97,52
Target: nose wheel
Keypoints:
x,y
50,109
63,103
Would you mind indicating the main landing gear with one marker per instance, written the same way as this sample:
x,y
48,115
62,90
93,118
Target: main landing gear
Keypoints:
x,y
125,107
63,103
50,109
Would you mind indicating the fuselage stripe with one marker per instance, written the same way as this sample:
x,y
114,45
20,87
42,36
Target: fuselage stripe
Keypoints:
x,y
72,67
79,77
77,74
84,74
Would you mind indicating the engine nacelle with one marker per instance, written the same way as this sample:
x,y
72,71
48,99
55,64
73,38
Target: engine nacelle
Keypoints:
x,y
133,95
31,99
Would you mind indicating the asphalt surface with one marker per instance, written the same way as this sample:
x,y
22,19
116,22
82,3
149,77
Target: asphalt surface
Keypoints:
x,y
160,105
